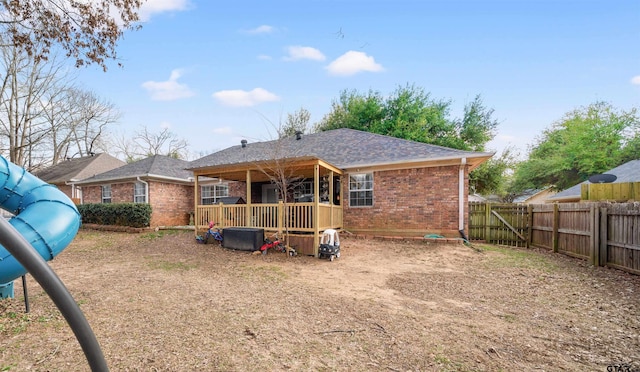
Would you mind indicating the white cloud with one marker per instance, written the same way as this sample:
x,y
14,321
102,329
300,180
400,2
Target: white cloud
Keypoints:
x,y
242,98
169,90
152,7
165,125
353,62
264,57
635,80
264,29
297,53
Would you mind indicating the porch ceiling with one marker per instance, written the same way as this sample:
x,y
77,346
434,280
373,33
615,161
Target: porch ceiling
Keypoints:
x,y
261,172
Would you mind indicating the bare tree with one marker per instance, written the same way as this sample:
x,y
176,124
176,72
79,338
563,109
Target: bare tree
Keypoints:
x,y
77,120
164,142
88,31
146,143
298,121
123,146
282,173
24,86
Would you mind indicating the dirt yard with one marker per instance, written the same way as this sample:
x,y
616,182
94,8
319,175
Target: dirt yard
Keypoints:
x,y
162,302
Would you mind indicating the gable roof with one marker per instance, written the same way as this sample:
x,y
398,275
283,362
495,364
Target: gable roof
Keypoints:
x,y
79,168
156,166
343,148
627,172
532,193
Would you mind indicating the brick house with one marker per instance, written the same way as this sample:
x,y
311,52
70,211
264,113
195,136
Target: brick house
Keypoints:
x,y
345,179
64,175
159,180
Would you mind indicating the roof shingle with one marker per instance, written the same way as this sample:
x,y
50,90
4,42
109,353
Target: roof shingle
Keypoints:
x,y
343,148
79,168
154,166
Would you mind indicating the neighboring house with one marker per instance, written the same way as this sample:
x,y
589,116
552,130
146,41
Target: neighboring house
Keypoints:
x,y
347,179
535,196
161,181
627,172
65,174
476,198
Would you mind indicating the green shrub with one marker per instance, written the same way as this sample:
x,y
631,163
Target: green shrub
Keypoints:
x,y
120,214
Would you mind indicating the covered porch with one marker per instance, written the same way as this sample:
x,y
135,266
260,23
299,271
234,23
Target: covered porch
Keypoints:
x,y
297,197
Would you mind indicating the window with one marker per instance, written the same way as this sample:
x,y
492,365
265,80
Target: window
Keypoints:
x,y
106,193
139,193
211,193
303,191
361,190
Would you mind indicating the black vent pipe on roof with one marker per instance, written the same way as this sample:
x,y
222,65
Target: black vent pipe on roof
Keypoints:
x,y
244,143
298,135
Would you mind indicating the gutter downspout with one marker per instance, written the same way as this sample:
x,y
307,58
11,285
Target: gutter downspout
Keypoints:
x,y
74,190
463,164
146,189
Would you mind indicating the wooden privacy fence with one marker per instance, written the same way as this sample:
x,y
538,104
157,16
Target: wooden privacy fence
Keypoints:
x,y
604,234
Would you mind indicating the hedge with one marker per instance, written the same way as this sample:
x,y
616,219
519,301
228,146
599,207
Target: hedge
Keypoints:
x,y
119,214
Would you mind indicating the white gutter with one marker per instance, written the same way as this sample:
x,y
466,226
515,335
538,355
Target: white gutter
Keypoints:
x,y
461,195
420,160
146,189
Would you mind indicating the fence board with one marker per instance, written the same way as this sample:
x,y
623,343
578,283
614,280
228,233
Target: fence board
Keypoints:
x,y
605,234
574,229
502,224
623,240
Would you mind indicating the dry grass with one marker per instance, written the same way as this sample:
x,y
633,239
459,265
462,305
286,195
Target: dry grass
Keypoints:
x,y
161,302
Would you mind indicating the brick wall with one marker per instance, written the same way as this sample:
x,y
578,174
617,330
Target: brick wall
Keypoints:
x,y
66,189
408,202
170,203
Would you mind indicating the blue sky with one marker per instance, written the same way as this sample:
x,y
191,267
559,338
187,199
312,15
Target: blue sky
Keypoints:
x,y
218,72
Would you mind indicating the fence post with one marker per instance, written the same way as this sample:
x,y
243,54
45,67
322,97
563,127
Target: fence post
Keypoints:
x,y
487,222
594,230
529,224
604,225
556,222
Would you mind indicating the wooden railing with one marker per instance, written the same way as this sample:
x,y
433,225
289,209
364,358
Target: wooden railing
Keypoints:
x,y
299,217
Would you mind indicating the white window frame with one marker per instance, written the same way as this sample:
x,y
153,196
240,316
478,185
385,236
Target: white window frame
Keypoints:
x,y
303,188
139,192
361,190
209,194
106,193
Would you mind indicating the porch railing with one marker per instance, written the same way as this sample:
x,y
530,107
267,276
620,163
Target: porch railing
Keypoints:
x,y
299,216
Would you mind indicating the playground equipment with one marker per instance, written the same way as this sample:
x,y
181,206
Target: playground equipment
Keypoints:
x,y
45,222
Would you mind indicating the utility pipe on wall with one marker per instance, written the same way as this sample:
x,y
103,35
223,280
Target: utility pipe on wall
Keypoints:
x,y
146,189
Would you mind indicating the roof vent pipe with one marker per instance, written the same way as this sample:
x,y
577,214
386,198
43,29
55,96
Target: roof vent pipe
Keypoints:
x,y
244,143
298,135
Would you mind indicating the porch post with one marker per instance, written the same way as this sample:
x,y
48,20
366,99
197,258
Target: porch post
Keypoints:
x,y
316,208
196,214
280,217
248,205
331,198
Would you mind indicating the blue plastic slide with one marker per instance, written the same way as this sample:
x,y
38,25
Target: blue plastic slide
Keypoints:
x,y
44,216
45,222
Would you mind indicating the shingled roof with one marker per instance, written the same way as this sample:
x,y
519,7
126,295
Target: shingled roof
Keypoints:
x,y
156,166
627,172
79,168
343,148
